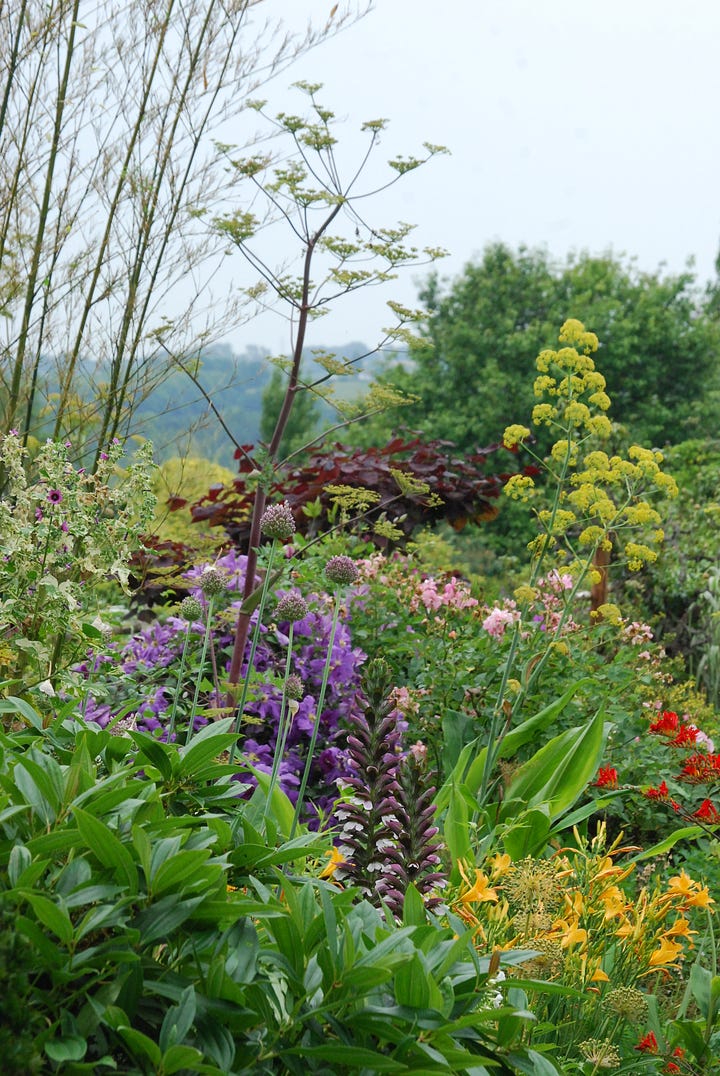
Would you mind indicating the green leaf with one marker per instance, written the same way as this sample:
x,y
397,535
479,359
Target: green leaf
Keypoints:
x,y
69,1048
162,919
101,840
559,771
178,1021
456,829
411,984
414,914
50,914
158,754
659,849
13,705
181,1057
356,1057
528,833
141,1045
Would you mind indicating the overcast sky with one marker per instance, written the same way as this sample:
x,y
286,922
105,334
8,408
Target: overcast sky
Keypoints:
x,y
572,124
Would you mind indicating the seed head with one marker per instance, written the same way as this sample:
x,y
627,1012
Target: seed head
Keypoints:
x,y
277,522
341,570
212,583
190,609
628,1003
294,688
291,607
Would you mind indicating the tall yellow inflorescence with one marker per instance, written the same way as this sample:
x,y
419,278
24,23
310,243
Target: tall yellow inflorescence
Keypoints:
x,y
599,498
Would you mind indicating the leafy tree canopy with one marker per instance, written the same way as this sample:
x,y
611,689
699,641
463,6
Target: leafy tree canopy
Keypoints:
x,y
473,365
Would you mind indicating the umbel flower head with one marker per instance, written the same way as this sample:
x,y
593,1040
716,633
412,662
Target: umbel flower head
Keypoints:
x,y
341,570
277,522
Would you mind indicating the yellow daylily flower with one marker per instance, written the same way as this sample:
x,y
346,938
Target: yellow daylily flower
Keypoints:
x,y
480,890
336,860
667,953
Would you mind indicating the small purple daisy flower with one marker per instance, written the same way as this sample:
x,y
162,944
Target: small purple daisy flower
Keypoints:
x,y
54,496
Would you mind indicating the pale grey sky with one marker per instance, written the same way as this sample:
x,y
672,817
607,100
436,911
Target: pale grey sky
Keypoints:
x,y
574,124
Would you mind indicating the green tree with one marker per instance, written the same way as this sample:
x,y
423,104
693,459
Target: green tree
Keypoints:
x,y
472,370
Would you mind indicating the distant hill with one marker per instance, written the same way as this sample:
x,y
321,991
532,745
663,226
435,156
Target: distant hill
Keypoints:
x,y
178,420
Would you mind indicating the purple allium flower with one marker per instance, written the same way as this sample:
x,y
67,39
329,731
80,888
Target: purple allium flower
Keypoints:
x,y
54,496
291,607
341,570
277,522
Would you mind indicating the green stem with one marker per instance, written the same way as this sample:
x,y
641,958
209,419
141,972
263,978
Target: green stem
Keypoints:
x,y
178,689
256,635
318,713
199,677
283,726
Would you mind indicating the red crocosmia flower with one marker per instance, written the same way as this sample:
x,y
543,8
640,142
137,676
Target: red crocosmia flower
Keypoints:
x,y
662,792
648,1045
707,812
699,768
607,777
666,724
686,735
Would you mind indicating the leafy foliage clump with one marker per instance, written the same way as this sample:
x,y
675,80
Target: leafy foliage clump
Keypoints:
x,y
411,483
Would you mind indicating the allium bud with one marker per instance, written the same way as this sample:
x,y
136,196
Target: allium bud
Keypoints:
x,y
341,570
277,522
291,607
294,687
212,582
190,609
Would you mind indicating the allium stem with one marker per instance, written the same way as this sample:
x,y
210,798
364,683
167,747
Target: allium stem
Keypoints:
x,y
283,725
178,689
318,713
256,636
198,679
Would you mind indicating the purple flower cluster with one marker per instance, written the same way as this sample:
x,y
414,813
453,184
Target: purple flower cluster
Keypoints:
x,y
151,658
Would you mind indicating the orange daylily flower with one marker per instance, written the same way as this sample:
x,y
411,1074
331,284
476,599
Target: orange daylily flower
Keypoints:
x,y
499,864
667,953
679,929
336,860
480,890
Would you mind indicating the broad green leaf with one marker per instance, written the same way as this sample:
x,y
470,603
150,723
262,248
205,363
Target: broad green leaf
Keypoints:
x,y
107,848
181,1057
414,914
559,771
411,984
141,1045
527,834
51,914
181,869
158,754
456,827
515,738
69,1048
37,791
